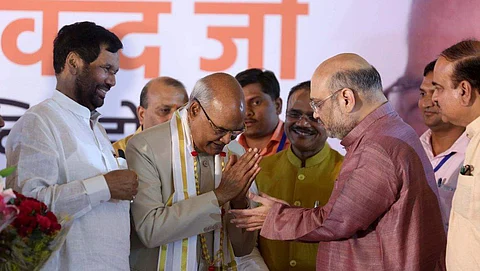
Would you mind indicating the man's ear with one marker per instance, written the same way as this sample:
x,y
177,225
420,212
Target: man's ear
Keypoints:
x,y
194,109
278,105
348,99
466,93
141,114
73,63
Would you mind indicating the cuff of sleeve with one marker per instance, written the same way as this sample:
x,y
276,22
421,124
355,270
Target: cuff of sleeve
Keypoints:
x,y
268,229
212,195
97,190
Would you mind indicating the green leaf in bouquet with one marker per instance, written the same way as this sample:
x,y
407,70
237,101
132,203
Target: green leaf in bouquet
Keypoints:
x,y
7,171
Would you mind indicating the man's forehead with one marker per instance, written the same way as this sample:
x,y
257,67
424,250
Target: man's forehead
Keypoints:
x,y
298,97
107,56
427,82
442,71
442,66
317,86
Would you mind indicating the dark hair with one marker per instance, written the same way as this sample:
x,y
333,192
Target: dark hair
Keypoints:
x,y
429,68
265,78
365,80
166,80
85,39
466,55
302,86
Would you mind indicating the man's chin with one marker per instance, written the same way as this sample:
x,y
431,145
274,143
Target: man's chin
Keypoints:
x,y
445,118
434,122
214,149
98,103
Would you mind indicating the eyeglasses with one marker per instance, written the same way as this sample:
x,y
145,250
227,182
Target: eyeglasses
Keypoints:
x,y
317,105
297,115
219,131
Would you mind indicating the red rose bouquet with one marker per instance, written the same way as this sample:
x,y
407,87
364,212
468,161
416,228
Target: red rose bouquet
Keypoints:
x,y
27,242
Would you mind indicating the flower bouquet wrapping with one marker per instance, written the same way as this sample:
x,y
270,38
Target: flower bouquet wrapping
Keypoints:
x,y
30,238
7,211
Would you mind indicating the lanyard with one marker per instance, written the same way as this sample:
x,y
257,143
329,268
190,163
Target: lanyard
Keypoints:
x,y
443,161
282,142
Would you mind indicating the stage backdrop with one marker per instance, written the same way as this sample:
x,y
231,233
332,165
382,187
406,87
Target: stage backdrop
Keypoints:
x,y
189,39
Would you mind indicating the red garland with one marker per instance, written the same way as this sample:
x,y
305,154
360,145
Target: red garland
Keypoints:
x,y
223,154
194,153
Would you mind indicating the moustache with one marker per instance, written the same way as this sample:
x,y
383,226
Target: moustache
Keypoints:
x,y
304,130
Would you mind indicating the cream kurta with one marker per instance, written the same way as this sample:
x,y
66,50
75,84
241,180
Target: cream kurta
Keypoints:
x,y
463,243
150,154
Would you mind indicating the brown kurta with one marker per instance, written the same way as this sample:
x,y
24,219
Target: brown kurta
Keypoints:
x,y
383,213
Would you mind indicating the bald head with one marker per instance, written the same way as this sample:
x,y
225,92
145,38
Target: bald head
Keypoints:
x,y
159,98
220,91
216,112
347,71
345,89
164,84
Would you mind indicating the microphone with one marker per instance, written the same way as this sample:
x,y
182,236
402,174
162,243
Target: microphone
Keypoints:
x,y
121,153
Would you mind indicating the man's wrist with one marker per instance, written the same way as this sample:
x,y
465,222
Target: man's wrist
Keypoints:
x,y
242,203
220,198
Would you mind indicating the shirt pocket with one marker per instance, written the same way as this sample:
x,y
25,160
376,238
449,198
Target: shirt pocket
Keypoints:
x,y
463,198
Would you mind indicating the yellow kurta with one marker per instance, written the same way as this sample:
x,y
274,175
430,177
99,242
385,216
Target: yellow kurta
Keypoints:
x,y
122,143
283,177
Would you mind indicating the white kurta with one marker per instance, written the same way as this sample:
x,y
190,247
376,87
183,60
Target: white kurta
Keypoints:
x,y
61,153
463,240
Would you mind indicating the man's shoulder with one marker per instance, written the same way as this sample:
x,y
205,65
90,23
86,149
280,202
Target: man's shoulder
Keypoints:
x,y
395,141
43,109
274,159
334,154
158,133
43,114
122,143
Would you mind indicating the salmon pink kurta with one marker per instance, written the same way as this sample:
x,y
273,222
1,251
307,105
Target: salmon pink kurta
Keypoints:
x,y
383,213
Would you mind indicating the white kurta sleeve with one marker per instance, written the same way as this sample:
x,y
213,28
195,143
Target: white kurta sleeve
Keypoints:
x,y
36,152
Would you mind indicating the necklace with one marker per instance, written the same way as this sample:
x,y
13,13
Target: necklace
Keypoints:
x,y
218,257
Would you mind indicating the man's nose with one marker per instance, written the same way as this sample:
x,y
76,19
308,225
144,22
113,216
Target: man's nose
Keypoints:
x,y
111,80
435,97
303,121
426,101
226,138
249,111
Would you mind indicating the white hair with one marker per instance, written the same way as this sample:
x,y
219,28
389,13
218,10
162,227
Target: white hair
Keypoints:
x,y
202,93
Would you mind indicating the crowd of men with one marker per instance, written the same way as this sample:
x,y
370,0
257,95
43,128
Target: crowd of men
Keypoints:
x,y
216,181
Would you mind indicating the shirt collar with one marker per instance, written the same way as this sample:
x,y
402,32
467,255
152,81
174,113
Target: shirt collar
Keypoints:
x,y
276,136
312,161
426,140
459,146
473,128
278,133
359,130
74,107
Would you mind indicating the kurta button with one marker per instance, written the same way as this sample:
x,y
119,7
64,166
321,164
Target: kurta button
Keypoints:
x,y
205,163
301,177
293,263
297,203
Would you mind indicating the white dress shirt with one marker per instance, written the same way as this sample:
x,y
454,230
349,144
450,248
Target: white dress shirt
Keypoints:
x,y
446,175
61,153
